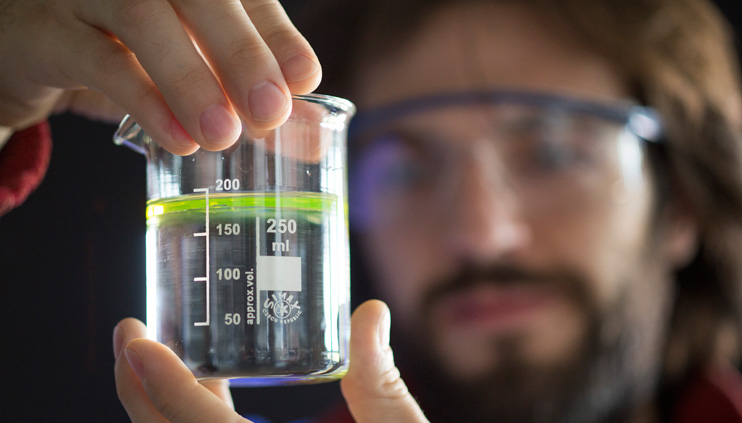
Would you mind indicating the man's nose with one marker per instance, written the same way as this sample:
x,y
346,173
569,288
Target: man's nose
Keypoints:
x,y
484,216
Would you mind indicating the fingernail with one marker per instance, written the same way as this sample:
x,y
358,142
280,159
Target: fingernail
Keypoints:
x,y
135,362
267,102
218,125
385,324
179,133
118,340
298,68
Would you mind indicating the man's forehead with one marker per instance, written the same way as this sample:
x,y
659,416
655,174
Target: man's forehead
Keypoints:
x,y
483,47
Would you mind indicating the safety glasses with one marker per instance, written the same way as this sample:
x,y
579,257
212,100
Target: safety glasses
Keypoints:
x,y
415,160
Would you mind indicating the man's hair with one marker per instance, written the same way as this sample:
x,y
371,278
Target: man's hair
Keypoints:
x,y
678,57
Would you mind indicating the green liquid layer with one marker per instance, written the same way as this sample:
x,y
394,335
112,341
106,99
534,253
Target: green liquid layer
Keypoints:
x,y
312,202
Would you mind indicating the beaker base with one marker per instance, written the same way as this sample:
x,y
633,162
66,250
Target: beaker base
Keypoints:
x,y
248,381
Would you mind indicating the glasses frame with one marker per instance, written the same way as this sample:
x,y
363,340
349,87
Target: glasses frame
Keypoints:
x,y
642,121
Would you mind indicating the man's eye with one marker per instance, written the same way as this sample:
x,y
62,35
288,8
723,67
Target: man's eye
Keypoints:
x,y
549,145
554,156
397,163
403,174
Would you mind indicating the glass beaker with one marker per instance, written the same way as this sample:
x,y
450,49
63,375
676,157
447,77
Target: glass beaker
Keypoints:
x,y
247,249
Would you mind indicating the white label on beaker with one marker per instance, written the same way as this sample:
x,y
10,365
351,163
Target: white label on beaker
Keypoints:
x,y
277,273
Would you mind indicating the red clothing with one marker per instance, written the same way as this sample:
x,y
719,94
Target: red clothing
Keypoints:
x,y
712,397
23,163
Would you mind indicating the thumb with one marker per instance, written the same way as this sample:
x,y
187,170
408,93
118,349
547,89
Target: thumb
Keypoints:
x,y
171,389
373,388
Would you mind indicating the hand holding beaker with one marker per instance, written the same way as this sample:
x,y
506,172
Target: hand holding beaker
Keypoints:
x,y
151,380
186,71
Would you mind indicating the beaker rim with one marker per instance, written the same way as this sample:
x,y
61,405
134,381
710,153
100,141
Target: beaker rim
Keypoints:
x,y
328,101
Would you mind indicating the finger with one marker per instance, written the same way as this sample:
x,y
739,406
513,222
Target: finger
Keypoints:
x,y
372,387
172,388
108,67
91,104
126,331
296,139
299,64
220,388
128,386
247,69
152,30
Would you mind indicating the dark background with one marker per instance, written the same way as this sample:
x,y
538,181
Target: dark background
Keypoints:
x,y
72,265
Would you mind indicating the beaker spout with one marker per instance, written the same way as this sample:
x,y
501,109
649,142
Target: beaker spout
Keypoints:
x,y
131,135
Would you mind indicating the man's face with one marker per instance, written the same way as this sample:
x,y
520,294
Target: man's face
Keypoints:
x,y
527,303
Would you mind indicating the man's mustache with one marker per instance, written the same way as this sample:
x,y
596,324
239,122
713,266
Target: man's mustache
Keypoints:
x,y
570,283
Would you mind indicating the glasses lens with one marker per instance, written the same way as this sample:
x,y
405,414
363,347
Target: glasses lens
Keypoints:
x,y
550,159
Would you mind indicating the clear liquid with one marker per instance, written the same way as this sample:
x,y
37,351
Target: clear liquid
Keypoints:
x,y
277,289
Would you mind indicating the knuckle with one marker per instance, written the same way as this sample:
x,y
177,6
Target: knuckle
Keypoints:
x,y
392,385
126,395
142,96
288,40
122,65
166,406
267,10
174,407
142,91
390,382
276,28
245,51
386,384
253,5
135,20
136,14
190,79
118,60
123,394
188,3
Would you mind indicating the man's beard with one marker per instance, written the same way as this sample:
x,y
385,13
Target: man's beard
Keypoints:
x,y
614,367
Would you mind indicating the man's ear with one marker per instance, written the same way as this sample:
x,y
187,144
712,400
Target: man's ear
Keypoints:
x,y
681,234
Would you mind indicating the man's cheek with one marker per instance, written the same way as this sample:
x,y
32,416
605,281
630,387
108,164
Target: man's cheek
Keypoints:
x,y
402,264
